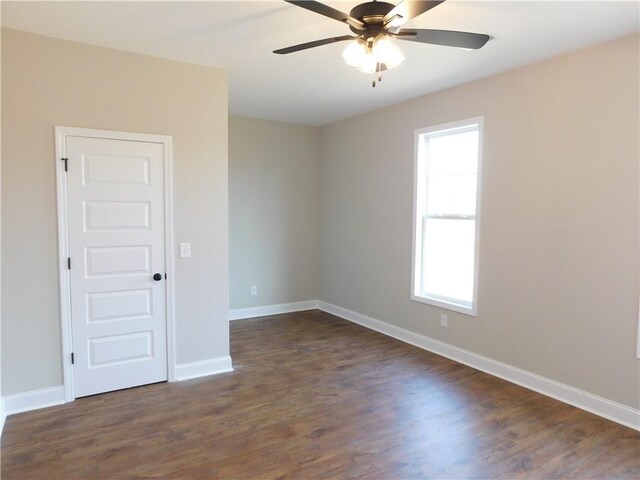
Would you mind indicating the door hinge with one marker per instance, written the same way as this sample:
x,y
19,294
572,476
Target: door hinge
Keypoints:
x,y
66,164
165,276
73,359
69,263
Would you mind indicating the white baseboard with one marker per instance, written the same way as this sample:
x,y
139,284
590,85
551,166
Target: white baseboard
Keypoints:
x,y
603,407
203,368
3,416
48,397
240,313
32,400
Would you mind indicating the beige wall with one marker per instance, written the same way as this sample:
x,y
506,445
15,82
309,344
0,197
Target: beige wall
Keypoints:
x,y
559,250
274,212
48,82
558,288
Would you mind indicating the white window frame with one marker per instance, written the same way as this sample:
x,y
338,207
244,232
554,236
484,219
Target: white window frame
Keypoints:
x,y
419,211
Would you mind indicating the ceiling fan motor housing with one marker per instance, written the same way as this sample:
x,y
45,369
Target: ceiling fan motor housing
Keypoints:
x,y
372,14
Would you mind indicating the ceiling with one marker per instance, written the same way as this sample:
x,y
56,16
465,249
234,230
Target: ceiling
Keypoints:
x,y
316,87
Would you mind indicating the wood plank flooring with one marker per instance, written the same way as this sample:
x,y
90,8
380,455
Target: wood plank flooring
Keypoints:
x,y
313,396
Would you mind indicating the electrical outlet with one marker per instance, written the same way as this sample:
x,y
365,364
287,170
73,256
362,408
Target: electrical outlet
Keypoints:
x,y
444,319
254,290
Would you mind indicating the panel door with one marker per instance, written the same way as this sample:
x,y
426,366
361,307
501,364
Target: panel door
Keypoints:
x,y
115,204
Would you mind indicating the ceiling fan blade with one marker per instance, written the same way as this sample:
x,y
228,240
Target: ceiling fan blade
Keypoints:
x,y
327,11
408,9
316,43
448,38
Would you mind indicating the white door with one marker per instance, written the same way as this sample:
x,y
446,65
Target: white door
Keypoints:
x,y
115,205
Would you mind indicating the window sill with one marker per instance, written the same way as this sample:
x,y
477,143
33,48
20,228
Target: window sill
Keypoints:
x,y
446,305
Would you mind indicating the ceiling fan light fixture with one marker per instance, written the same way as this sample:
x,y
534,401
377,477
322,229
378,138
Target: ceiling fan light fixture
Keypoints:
x,y
369,62
366,55
355,53
387,52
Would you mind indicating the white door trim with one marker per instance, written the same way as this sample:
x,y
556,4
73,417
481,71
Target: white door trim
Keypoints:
x,y
63,242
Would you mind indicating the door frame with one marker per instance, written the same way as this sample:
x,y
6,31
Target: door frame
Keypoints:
x,y
61,133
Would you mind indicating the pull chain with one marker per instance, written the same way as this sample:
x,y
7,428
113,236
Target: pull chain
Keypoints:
x,y
377,75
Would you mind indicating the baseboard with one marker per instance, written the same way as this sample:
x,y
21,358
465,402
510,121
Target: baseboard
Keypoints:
x,y
240,313
3,416
203,368
603,407
48,397
32,400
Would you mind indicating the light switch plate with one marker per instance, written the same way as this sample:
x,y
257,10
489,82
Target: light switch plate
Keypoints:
x,y
185,250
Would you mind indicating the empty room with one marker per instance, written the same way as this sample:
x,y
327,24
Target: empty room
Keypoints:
x,y
320,239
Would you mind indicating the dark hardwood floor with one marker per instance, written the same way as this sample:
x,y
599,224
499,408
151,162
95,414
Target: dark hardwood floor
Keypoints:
x,y
314,396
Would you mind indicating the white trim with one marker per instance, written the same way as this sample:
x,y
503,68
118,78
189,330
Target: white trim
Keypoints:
x,y
3,416
638,340
240,313
48,397
454,307
63,272
33,400
203,368
416,252
63,242
603,407
169,259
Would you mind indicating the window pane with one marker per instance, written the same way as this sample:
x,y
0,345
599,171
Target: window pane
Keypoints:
x,y
453,154
452,194
448,258
446,207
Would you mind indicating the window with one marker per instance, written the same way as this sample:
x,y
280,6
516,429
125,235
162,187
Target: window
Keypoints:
x,y
446,223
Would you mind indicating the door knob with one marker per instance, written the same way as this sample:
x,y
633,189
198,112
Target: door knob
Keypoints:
x,y
157,277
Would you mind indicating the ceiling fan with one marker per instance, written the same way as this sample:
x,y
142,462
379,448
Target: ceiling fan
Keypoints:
x,y
375,24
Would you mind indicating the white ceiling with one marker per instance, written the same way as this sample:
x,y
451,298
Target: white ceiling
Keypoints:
x,y
316,87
